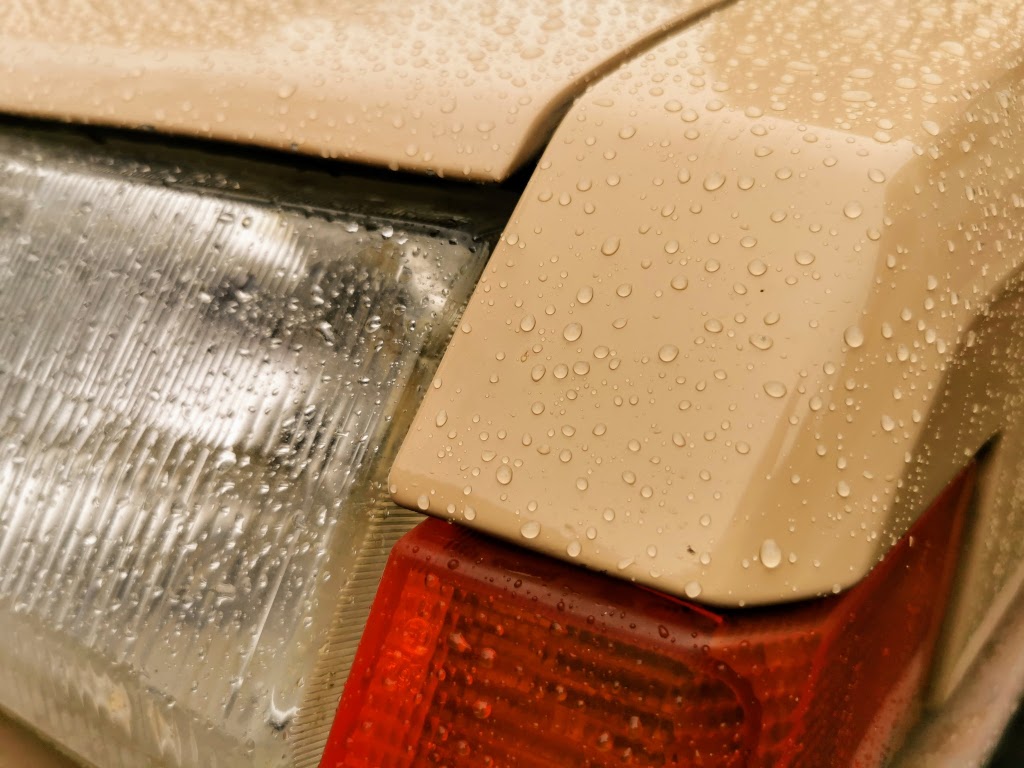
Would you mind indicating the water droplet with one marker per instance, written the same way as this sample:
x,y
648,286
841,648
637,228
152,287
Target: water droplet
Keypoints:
x,y
573,549
585,294
572,332
760,341
713,182
692,589
853,336
843,489
441,419
423,502
775,389
668,353
624,290
757,267
770,554
804,258
530,530
538,372
503,474
853,210
528,323
610,246
679,282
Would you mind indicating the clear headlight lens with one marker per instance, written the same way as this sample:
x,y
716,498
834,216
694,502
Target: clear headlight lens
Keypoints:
x,y
203,374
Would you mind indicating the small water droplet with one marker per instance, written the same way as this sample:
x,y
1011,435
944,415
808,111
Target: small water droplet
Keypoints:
x,y
853,210
775,389
713,182
572,332
530,530
528,323
610,246
668,353
757,267
503,474
441,419
853,336
770,554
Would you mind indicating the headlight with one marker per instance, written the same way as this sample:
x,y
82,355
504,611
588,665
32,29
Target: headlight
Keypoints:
x,y
204,369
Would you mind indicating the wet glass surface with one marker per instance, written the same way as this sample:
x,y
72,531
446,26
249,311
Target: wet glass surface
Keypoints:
x,y
202,375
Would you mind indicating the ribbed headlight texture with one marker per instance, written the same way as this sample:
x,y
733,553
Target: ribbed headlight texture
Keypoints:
x,y
204,368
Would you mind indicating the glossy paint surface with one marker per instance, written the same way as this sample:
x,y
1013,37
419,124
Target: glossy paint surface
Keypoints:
x,y
742,327
468,88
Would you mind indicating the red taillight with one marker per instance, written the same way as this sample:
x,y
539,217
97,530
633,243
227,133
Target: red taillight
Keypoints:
x,y
482,654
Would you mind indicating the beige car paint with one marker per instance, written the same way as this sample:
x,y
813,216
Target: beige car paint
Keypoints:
x,y
739,331
21,749
464,88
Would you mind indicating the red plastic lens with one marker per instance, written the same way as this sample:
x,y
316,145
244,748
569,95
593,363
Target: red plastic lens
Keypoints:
x,y
482,654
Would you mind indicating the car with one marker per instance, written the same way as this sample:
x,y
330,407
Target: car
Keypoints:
x,y
625,382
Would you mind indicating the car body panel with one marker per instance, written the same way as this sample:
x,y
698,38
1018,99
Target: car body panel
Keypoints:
x,y
19,748
468,88
724,348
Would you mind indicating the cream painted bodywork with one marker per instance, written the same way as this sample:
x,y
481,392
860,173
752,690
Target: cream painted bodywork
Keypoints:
x,y
731,344
463,88
21,749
